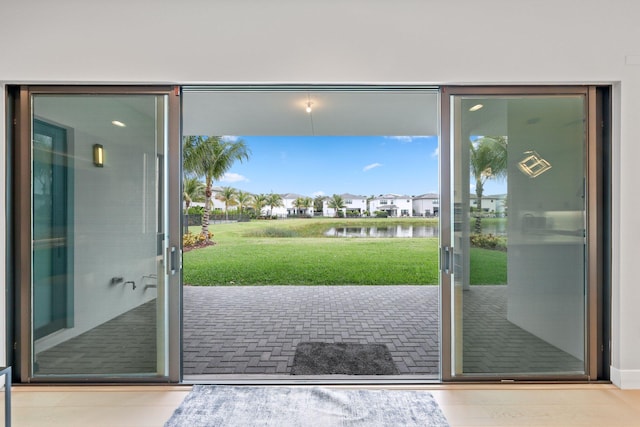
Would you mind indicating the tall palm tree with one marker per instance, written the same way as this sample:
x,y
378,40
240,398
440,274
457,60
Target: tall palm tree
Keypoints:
x,y
259,202
336,202
243,198
488,160
274,200
211,157
227,195
192,191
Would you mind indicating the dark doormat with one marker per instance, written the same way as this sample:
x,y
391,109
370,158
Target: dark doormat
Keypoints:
x,y
320,358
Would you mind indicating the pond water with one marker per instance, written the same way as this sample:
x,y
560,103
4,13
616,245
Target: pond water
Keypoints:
x,y
404,231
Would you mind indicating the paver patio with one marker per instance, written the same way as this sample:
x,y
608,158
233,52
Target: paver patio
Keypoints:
x,y
255,330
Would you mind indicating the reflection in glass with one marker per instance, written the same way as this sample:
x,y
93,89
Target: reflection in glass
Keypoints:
x,y
533,165
528,318
98,281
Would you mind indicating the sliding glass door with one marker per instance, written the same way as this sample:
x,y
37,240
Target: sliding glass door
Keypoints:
x,y
517,236
100,268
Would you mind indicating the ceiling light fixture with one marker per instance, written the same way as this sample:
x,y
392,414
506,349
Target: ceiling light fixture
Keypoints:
x,y
309,109
118,123
476,107
533,165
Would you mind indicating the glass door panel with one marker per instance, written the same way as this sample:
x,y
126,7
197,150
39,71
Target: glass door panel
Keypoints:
x,y
99,282
518,215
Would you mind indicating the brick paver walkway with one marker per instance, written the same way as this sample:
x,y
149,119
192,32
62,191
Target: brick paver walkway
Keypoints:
x,y
492,344
255,330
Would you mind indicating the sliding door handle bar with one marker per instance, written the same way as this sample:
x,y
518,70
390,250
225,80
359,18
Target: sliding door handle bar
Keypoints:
x,y
445,259
171,260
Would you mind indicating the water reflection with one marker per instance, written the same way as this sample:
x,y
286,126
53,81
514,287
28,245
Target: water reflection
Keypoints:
x,y
405,231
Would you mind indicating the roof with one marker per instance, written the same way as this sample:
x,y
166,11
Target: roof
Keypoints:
x,y
352,196
292,196
427,196
392,196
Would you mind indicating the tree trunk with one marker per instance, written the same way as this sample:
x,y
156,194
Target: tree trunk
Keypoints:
x,y
478,224
186,218
207,208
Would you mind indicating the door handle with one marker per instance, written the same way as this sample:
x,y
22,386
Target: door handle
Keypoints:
x,y
171,260
445,259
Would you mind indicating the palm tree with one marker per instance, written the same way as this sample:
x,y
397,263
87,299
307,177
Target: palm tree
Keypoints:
x,y
243,198
192,191
307,202
274,200
297,203
227,195
488,161
336,202
259,202
211,157
318,203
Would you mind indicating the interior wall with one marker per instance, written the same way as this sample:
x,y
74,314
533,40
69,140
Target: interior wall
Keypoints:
x,y
360,41
546,257
114,207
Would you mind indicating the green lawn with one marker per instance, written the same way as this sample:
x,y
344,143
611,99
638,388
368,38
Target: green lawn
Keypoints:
x,y
242,256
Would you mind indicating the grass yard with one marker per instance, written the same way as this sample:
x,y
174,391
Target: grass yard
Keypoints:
x,y
246,254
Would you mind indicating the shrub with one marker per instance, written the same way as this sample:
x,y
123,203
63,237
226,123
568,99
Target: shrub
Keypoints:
x,y
489,241
381,214
195,210
190,240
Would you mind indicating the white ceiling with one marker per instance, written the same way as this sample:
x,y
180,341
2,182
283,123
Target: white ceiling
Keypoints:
x,y
340,113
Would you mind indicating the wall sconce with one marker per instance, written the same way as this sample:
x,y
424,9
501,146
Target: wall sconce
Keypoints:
x,y
98,155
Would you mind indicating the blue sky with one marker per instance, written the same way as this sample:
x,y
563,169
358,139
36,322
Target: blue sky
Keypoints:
x,y
324,165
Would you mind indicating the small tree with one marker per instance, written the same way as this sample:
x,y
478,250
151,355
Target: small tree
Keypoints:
x,y
297,203
274,200
302,204
243,199
336,202
259,202
192,191
307,202
318,203
227,196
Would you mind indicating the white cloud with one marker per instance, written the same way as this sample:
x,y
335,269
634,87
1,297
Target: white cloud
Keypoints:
x,y
234,177
230,138
318,193
436,152
371,166
405,139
